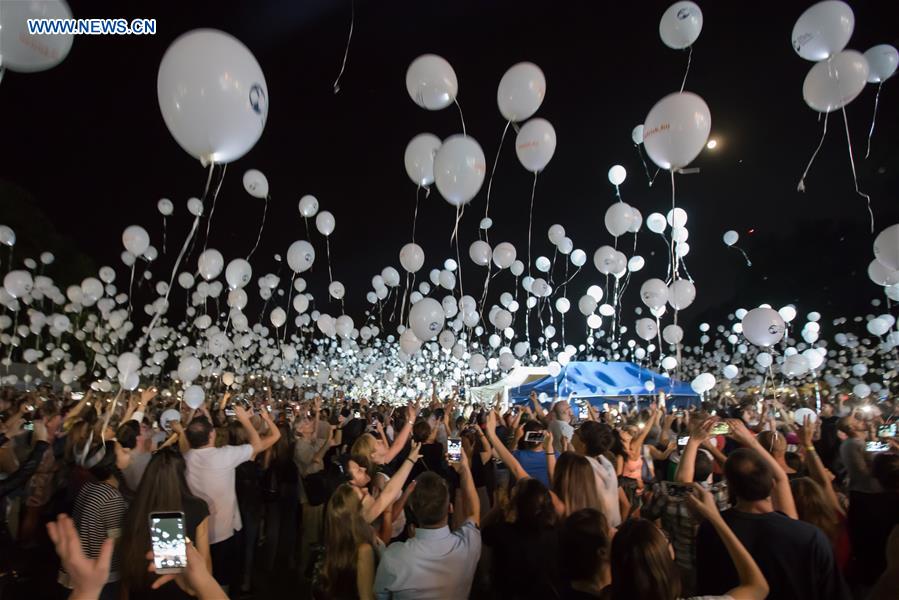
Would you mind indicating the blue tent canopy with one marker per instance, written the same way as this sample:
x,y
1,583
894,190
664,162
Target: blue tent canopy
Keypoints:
x,y
601,380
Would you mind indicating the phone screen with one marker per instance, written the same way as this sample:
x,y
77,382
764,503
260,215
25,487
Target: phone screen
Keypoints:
x,y
454,449
720,429
877,447
535,436
886,431
229,412
682,441
168,540
29,426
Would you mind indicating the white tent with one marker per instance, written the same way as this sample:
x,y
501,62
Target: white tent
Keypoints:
x,y
486,394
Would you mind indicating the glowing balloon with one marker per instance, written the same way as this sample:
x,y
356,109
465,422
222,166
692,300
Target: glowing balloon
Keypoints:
x,y
535,144
763,327
521,91
300,256
676,130
426,318
431,82
135,239
412,257
835,83
882,62
419,158
823,30
680,25
308,206
25,52
731,237
459,168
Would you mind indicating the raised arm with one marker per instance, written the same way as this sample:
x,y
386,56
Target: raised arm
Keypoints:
x,y
471,502
816,468
637,442
687,464
515,468
539,412
752,582
371,511
402,437
550,454
782,495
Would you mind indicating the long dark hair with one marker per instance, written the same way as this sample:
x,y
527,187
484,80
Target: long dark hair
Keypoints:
x,y
163,488
642,566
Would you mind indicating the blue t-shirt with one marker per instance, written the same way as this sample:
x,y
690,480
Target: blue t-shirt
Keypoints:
x,y
534,463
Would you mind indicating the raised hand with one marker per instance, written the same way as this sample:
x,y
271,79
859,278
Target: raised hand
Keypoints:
x,y
88,576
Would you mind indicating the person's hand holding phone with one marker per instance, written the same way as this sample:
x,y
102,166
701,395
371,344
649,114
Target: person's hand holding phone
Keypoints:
x,y
240,413
701,431
195,579
702,503
548,442
462,464
739,433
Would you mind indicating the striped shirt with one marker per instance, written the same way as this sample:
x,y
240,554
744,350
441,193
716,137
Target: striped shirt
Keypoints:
x,y
99,513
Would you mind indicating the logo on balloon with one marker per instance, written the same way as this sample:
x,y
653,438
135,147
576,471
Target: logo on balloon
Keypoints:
x,y
683,13
433,326
257,99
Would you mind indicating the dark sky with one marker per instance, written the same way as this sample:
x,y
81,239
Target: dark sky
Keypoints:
x,y
87,142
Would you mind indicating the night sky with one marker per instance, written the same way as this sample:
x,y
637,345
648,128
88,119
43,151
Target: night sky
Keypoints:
x,y
86,147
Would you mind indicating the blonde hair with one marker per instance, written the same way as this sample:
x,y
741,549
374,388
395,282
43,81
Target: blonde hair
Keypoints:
x,y
364,445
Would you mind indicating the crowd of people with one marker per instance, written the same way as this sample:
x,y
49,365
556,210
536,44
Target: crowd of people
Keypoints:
x,y
444,499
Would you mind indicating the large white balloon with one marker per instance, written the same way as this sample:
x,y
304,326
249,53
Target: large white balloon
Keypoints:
x,y
882,62
654,293
412,257
619,218
238,273
647,328
459,168
210,264
188,369
22,51
135,239
426,319
213,95
834,83
763,326
255,183
680,25
480,253
535,144
194,396
676,130
504,255
681,294
656,222
300,256
419,158
308,206
886,247
325,223
521,91
431,82
881,275
823,30
278,317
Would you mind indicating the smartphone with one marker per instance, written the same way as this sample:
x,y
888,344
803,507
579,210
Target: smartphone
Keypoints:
x,y
720,428
682,441
229,412
454,449
877,446
357,415
678,491
29,426
886,431
534,436
679,414
289,413
167,538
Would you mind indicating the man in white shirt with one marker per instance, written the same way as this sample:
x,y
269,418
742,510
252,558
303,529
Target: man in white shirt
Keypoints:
x,y
560,426
435,563
210,476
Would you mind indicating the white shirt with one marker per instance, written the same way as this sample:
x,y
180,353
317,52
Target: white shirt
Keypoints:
x,y
436,564
560,429
607,486
210,476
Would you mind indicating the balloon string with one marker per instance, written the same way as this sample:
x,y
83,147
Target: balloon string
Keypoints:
x,y
415,212
461,116
643,160
289,300
131,286
748,262
164,233
531,220
873,118
346,52
687,72
203,202
854,176
261,227
673,206
460,210
801,186
328,252
493,170
168,290
215,196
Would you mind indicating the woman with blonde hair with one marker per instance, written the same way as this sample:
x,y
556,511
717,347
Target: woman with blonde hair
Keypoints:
x,y
347,569
575,484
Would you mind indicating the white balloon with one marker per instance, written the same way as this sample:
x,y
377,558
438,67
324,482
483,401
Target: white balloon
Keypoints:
x,y
210,263
194,396
188,369
480,253
731,371
412,257
654,293
336,290
419,158
637,135
563,305
587,305
521,91
300,256
731,237
127,363
617,175
619,218
459,168
25,52
578,258
836,82
535,144
877,326
135,239
18,283
787,313
255,183
431,82
647,328
680,25
676,217
278,317
823,30
604,259
673,334
344,326
308,206
213,95
763,326
165,207
238,273
676,130
881,275
426,318
300,303
195,206
656,222
882,62
886,247
504,255
324,222
186,280
681,294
